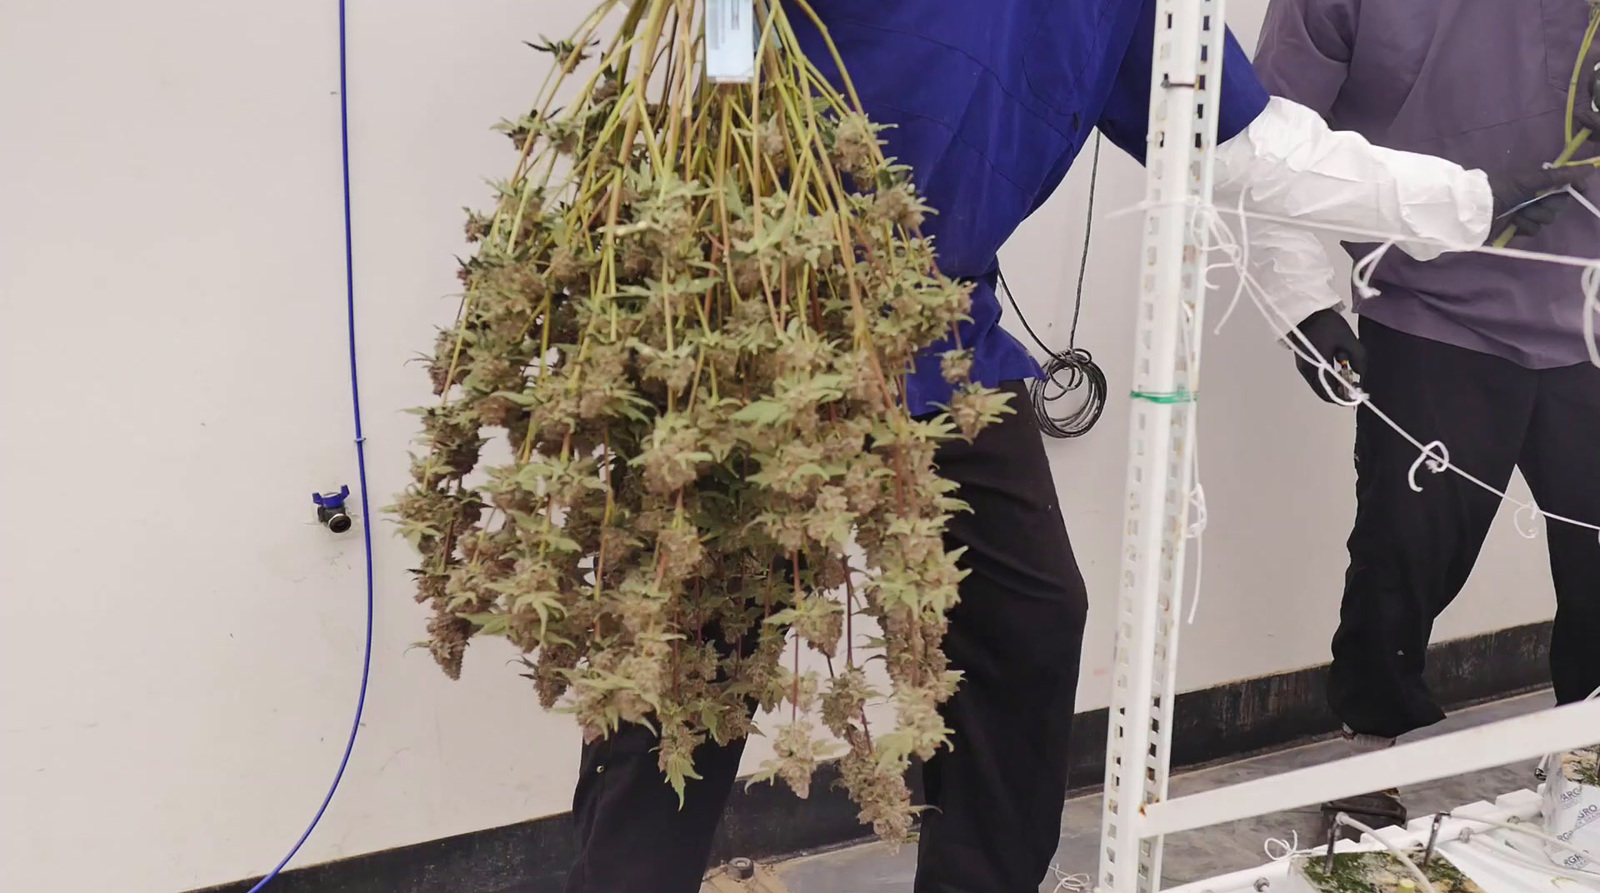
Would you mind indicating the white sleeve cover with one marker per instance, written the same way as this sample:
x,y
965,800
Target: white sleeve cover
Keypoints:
x,y
1289,164
1291,266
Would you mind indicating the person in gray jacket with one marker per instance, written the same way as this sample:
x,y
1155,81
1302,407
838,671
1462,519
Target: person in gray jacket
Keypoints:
x,y
1482,353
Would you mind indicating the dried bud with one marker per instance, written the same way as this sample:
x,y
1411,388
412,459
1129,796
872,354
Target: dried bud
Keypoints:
x,y
477,227
855,148
565,270
956,366
448,642
898,205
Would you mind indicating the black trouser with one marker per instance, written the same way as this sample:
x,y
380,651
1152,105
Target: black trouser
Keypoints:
x,y
996,795
1410,553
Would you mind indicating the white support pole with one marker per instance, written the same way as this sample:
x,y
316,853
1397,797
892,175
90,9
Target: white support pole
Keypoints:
x,y
1473,750
1185,84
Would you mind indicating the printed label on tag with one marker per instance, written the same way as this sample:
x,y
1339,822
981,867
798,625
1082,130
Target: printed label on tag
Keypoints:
x,y
730,41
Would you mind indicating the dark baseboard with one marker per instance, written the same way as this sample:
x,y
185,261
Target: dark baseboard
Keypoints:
x,y
1216,723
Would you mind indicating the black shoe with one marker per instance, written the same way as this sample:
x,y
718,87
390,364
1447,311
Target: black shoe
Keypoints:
x,y
1379,810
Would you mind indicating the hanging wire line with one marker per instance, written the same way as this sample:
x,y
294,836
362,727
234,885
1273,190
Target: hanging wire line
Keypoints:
x,y
1214,234
1504,851
1074,369
361,458
1433,456
1375,236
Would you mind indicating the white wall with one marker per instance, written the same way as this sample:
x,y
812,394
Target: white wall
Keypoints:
x,y
182,646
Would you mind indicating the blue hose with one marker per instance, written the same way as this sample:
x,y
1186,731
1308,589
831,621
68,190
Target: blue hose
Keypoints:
x,y
361,454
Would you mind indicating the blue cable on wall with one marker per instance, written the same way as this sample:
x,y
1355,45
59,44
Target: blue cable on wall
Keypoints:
x,y
361,453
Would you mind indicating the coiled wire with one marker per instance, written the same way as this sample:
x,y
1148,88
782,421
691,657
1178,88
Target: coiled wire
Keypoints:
x,y
1072,371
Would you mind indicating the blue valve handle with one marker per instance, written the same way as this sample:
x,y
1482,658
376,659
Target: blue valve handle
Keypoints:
x,y
331,500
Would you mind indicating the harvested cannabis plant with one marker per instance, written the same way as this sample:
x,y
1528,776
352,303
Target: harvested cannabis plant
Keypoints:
x,y
689,315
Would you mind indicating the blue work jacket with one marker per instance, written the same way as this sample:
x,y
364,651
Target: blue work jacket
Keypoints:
x,y
989,102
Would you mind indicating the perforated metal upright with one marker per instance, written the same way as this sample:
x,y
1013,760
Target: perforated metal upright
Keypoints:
x,y
1183,127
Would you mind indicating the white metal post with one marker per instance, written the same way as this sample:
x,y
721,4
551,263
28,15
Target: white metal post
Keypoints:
x,y
1185,85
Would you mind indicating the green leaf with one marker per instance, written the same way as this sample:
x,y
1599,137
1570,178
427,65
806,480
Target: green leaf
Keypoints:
x,y
489,624
762,412
680,768
765,776
783,618
562,543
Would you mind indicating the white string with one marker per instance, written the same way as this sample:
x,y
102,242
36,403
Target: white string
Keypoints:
x,y
1242,261
1367,235
1432,454
1526,522
1590,266
1197,503
1436,456
1582,199
1196,498
1537,835
1504,851
1325,376
1288,849
1070,883
1361,274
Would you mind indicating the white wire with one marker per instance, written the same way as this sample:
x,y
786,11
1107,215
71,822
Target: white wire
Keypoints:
x,y
1433,455
1361,273
1070,883
1289,848
1504,851
1537,835
1376,236
1242,262
1196,498
1583,200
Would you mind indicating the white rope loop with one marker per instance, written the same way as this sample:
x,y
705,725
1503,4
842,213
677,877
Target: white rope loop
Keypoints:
x,y
1070,883
1436,456
1361,274
1526,520
1285,849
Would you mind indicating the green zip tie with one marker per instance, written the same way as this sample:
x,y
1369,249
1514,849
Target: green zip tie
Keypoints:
x,y
1179,396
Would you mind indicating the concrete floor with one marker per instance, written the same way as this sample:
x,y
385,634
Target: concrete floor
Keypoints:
x,y
1193,855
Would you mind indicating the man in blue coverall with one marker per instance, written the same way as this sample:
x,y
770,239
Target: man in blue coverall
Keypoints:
x,y
989,102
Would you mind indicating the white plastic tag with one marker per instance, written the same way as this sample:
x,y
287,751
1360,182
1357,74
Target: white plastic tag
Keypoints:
x,y
730,41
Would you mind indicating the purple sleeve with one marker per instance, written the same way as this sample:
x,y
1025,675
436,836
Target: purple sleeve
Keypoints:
x,y
1304,51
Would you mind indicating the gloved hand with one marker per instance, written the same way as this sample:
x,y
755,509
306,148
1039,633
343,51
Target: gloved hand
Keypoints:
x,y
1520,196
1331,335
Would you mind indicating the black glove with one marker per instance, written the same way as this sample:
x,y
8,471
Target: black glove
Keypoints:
x,y
1331,336
1521,200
